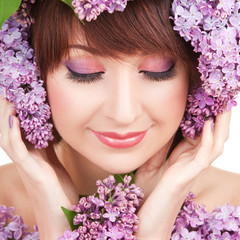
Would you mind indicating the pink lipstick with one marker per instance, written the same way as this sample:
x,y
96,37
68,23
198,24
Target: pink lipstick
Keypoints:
x,y
116,140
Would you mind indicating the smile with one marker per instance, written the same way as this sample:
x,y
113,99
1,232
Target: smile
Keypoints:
x,y
116,140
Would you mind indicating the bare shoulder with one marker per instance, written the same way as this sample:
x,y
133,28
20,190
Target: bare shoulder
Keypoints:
x,y
217,187
13,193
9,184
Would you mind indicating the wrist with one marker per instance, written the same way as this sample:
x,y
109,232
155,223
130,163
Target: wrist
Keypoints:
x,y
51,220
156,223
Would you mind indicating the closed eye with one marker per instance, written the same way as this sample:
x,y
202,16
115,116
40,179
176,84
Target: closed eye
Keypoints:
x,y
159,76
84,77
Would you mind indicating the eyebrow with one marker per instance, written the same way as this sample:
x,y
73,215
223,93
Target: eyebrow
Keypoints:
x,y
85,48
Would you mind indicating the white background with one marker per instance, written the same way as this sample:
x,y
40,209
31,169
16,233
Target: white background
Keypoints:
x,y
230,160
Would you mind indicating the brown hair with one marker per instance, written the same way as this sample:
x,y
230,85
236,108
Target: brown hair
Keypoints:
x,y
144,27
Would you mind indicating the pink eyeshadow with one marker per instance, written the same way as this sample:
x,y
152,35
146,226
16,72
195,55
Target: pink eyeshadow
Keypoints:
x,y
84,65
156,64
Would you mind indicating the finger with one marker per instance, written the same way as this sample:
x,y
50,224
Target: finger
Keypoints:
x,y
203,159
6,110
187,145
221,131
213,139
26,161
5,106
156,160
222,125
15,140
207,135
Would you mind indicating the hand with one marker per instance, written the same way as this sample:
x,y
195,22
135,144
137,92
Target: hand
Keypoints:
x,y
167,184
46,181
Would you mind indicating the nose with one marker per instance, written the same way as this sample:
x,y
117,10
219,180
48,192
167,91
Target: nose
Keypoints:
x,y
123,104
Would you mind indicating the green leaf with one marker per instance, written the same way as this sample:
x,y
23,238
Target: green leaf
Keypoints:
x,y
69,3
7,8
70,216
120,178
80,196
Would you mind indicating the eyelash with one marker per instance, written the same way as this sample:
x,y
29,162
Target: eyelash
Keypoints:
x,y
84,78
160,76
94,77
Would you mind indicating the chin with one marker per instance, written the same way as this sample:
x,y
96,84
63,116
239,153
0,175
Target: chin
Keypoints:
x,y
120,167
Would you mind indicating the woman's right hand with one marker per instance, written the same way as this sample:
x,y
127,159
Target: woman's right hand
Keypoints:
x,y
167,184
46,181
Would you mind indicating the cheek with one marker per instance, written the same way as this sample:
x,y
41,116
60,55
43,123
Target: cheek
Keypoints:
x,y
168,101
58,99
64,101
71,106
176,98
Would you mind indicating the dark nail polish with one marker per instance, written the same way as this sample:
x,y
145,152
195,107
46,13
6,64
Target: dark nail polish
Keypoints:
x,y
10,121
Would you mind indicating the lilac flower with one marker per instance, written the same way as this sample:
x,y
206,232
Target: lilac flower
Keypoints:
x,y
11,35
222,223
194,13
69,235
226,5
229,34
98,202
183,27
232,224
13,227
21,84
192,235
113,216
92,9
114,233
216,37
226,211
217,45
210,23
235,21
203,98
102,236
32,236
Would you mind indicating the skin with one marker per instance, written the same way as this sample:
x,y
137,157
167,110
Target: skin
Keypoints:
x,y
122,101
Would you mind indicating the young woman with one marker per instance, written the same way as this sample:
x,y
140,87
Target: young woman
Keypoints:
x,y
117,87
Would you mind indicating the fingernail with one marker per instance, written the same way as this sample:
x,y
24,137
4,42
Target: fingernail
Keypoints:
x,y
10,121
2,94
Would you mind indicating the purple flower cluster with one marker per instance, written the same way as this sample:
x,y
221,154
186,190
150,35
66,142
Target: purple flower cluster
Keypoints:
x,y
20,83
12,226
213,27
195,223
22,14
92,8
108,214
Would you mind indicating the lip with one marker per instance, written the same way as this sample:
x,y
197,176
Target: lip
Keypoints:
x,y
116,140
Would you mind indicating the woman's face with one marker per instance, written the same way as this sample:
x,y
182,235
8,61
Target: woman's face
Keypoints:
x,y
117,113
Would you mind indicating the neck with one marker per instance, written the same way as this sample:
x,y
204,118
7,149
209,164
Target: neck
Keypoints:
x,y
83,172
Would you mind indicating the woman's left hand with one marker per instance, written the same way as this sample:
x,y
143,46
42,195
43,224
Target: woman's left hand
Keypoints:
x,y
167,184
46,181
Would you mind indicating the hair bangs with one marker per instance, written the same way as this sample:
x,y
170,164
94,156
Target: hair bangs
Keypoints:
x,y
143,27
